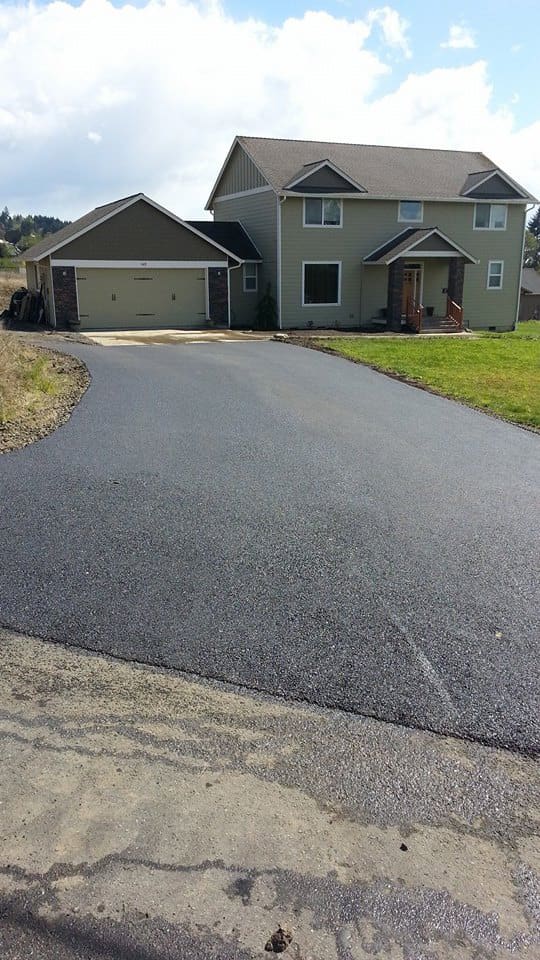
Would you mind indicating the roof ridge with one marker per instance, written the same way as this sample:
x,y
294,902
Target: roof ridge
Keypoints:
x,y
120,200
379,146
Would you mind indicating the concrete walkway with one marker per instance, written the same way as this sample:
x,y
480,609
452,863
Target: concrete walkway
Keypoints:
x,y
148,817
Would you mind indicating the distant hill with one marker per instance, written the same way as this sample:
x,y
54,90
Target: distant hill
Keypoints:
x,y
19,232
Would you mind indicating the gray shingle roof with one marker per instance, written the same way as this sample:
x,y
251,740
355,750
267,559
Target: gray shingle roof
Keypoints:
x,y
393,172
41,249
530,280
229,234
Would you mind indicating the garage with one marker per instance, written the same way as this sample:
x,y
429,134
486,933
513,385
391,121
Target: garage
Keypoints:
x,y
131,299
132,264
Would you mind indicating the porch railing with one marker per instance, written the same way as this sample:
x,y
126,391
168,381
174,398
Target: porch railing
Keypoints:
x,y
454,313
415,313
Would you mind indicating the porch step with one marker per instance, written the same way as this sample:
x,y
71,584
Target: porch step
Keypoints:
x,y
440,324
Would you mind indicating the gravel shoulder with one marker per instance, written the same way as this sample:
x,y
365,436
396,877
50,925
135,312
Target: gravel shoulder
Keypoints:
x,y
149,816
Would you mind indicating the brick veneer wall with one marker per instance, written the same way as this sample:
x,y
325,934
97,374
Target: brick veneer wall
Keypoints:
x,y
456,276
65,296
395,293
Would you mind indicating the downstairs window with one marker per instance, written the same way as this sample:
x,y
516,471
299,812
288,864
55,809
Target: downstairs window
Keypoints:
x,y
321,284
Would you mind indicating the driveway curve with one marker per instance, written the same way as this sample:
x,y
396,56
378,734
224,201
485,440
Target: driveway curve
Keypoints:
x,y
292,522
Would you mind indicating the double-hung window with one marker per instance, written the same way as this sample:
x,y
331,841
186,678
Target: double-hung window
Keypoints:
x,y
321,284
322,212
250,278
490,216
495,274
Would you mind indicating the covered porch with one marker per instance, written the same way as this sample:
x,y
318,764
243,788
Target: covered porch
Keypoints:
x,y
424,278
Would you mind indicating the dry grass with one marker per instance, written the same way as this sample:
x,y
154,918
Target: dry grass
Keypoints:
x,y
38,389
10,280
26,378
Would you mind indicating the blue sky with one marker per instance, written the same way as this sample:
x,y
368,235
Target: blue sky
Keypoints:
x,y
115,98
509,44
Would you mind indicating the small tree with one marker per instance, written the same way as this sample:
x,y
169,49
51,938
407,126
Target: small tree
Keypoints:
x,y
266,312
531,250
533,225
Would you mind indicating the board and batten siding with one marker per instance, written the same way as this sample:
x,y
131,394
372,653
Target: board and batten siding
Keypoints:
x,y
257,212
368,224
241,174
139,233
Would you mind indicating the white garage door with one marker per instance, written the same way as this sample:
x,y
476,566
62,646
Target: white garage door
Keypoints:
x,y
116,299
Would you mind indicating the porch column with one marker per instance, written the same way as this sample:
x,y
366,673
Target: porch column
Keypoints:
x,y
395,294
456,275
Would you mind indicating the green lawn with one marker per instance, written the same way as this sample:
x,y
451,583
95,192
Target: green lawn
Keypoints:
x,y
499,373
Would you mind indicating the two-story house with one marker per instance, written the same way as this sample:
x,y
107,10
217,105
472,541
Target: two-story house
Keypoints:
x,y
353,235
343,236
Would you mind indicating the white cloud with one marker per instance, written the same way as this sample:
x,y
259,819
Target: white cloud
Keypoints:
x,y
394,28
169,84
460,38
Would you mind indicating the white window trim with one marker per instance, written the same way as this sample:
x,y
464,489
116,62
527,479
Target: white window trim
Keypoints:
x,y
323,226
256,287
490,262
406,219
325,263
490,203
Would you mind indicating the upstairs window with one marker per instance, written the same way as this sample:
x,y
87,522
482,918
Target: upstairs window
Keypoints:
x,y
490,216
322,212
250,278
411,211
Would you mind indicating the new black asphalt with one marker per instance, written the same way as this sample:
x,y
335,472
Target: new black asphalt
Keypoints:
x,y
279,518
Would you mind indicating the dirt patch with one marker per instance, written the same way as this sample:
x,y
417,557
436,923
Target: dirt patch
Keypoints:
x,y
38,390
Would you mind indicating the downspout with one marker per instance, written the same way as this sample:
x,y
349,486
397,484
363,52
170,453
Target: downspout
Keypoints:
x,y
281,200
229,271
527,212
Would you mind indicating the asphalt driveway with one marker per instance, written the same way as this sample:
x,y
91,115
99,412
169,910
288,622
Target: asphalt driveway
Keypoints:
x,y
290,521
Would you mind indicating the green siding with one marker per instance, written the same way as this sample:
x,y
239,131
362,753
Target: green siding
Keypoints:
x,y
242,304
435,278
367,224
258,215
240,174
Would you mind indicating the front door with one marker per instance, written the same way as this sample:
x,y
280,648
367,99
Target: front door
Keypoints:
x,y
411,287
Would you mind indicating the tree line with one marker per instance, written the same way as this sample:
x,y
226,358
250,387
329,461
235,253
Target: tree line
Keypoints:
x,y
19,232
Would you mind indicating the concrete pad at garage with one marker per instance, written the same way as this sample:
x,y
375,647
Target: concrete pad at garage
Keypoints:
x,y
130,338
